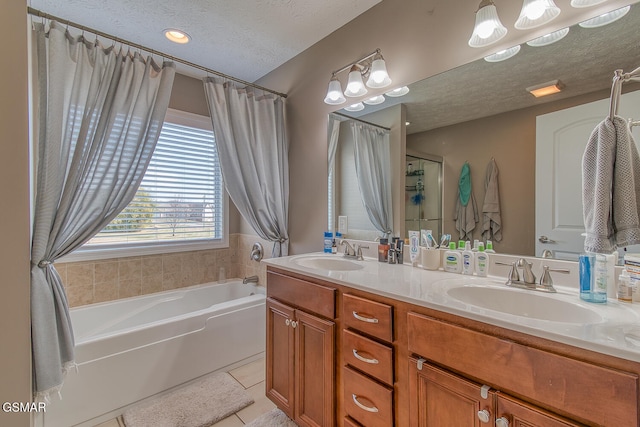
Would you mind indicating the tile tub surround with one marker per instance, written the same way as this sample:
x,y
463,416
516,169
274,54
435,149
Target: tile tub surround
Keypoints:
x,y
90,282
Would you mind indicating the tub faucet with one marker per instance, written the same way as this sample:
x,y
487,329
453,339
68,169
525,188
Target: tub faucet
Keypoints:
x,y
250,279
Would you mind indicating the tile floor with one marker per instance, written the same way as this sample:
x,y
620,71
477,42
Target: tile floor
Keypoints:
x,y
251,376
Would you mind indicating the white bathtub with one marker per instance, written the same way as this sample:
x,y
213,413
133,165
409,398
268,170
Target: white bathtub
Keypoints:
x,y
130,349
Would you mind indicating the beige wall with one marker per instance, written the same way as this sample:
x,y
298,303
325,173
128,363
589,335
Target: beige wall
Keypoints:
x,y
510,138
418,38
15,354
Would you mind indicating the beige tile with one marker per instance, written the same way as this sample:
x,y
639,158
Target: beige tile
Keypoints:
x,y
130,269
80,274
171,281
232,421
261,405
62,271
79,295
171,263
106,271
129,288
105,291
151,266
250,374
151,283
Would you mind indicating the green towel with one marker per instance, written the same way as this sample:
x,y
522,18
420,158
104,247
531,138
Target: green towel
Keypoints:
x,y
464,184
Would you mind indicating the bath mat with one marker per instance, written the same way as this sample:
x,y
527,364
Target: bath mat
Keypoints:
x,y
274,418
199,404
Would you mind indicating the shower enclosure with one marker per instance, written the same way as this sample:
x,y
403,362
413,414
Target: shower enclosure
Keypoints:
x,y
423,194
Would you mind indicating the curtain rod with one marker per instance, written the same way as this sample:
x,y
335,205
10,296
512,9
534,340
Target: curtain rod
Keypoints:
x,y
63,21
361,121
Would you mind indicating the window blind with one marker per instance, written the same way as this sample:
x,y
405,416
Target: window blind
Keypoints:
x,y
181,195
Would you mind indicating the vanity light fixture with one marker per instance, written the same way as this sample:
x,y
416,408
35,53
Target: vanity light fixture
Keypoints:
x,y
503,55
545,89
177,36
586,3
488,28
535,13
605,18
355,107
374,100
400,91
372,67
548,39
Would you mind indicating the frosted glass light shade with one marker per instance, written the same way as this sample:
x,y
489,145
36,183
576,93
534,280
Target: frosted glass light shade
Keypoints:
x,y
334,93
374,100
355,85
548,39
378,77
605,18
503,54
355,107
586,3
400,91
535,13
488,28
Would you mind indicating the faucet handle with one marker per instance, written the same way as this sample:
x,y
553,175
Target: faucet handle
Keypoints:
x,y
359,251
546,282
513,275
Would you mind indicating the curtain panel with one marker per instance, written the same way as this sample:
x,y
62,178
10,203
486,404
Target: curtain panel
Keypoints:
x,y
100,113
250,132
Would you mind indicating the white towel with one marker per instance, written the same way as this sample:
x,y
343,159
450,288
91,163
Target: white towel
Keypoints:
x,y
611,188
491,218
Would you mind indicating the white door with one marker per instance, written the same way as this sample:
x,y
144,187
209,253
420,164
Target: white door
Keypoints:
x,y
561,138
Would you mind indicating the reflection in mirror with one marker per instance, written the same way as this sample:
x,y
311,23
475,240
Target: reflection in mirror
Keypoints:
x,y
360,195
483,110
423,193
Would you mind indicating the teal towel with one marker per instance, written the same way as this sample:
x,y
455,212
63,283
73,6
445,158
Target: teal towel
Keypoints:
x,y
464,184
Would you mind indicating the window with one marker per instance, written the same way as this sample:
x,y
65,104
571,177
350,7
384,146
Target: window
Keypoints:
x,y
181,203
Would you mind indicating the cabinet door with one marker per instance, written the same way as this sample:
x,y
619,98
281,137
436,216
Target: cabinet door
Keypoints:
x,y
280,355
439,398
315,361
515,413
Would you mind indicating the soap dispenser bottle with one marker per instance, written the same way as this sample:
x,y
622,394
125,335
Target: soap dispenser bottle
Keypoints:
x,y
482,261
453,259
467,259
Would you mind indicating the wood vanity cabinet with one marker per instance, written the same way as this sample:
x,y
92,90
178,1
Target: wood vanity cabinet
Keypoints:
x,y
300,354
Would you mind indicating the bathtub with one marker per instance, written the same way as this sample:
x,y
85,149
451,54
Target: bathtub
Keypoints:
x,y
131,349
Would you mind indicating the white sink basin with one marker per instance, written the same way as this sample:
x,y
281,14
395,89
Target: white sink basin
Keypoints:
x,y
525,304
328,263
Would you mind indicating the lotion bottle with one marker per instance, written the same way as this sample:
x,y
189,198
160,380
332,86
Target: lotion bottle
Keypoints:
x,y
482,261
453,259
468,261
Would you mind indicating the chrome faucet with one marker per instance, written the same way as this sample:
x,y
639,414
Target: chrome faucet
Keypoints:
x,y
528,280
354,251
250,279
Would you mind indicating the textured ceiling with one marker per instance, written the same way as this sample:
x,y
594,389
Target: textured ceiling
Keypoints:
x,y
245,39
584,61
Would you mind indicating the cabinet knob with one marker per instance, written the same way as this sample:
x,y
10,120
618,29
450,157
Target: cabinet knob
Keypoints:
x,y
294,324
484,416
502,422
287,322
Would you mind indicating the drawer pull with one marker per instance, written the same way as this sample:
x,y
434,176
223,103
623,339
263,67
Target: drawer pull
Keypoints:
x,y
365,319
361,406
364,359
484,416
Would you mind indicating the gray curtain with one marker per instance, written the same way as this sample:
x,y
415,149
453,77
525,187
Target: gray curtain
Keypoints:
x,y
373,169
249,127
100,115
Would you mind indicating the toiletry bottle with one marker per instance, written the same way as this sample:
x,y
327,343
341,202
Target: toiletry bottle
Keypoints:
x,y
468,262
600,284
399,245
452,259
461,245
482,261
624,292
328,241
489,248
334,248
414,247
392,254
383,250
476,242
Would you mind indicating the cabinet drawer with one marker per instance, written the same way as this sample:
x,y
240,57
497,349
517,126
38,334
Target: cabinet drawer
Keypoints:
x,y
348,422
368,316
368,356
302,294
366,401
600,395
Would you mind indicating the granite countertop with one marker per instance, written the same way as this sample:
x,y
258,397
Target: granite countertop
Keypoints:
x,y
612,328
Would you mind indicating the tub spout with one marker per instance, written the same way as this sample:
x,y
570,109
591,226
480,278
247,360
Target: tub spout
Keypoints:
x,y
250,279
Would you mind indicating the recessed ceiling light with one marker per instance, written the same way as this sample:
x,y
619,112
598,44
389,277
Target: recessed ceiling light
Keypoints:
x,y
177,36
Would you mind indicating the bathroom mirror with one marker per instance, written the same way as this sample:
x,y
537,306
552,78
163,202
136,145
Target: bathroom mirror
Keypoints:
x,y
482,110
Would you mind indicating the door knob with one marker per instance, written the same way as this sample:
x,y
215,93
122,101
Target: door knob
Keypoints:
x,y
484,416
545,239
